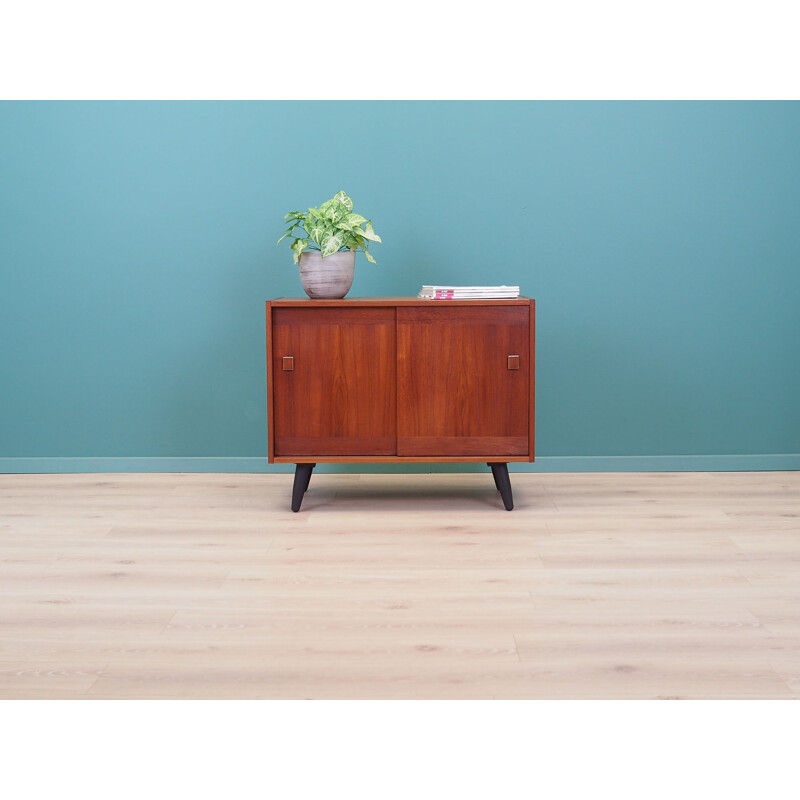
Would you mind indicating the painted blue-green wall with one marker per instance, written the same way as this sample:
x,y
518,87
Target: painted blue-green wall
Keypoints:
x,y
660,239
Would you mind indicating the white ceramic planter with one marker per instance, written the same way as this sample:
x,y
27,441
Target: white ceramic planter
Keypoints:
x,y
327,278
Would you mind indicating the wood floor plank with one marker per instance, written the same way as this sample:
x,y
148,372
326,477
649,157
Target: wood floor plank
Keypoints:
x,y
57,679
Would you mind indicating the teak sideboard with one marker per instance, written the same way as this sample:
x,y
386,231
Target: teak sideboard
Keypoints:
x,y
398,379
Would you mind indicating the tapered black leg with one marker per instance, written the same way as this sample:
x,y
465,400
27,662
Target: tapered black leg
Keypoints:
x,y
503,483
302,475
308,477
496,484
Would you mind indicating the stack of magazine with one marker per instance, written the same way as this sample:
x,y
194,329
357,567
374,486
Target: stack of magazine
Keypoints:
x,y
468,292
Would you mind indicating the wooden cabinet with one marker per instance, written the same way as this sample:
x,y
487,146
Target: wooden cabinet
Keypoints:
x,y
400,379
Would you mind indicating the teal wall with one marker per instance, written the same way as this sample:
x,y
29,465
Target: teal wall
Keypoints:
x,y
660,239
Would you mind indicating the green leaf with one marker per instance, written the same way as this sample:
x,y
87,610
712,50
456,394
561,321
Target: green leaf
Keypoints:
x,y
370,234
331,244
315,230
368,256
298,246
356,219
341,197
350,225
336,212
293,214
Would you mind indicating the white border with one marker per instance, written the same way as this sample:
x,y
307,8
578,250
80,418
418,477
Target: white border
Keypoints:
x,y
574,49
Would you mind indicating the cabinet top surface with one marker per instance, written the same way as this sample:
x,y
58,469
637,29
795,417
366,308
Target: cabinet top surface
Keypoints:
x,y
397,301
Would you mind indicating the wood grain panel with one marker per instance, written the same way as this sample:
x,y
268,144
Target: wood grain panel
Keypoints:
x,y
344,448
340,397
456,395
491,446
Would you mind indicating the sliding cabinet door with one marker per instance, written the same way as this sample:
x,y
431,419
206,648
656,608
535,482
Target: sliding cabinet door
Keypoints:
x,y
463,378
334,376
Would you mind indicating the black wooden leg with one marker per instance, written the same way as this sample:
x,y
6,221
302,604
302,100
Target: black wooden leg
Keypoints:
x,y
503,483
496,484
302,475
308,477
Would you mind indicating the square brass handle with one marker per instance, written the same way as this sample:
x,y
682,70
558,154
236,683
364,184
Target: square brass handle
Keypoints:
x,y
513,362
288,363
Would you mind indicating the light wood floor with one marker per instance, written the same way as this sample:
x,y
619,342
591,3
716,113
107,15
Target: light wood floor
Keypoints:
x,y
651,585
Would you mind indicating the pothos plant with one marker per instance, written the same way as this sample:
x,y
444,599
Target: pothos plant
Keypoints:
x,y
330,228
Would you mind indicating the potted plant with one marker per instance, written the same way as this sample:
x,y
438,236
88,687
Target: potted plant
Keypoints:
x,y
326,243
